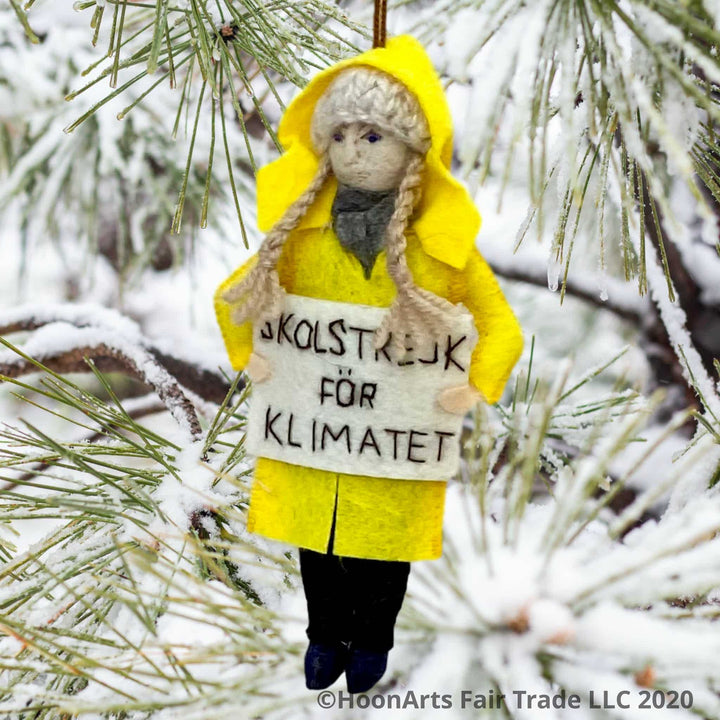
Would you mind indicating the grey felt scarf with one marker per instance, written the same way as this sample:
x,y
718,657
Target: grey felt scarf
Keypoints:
x,y
360,218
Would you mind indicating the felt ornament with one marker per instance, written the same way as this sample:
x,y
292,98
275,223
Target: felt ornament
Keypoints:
x,y
427,268
369,266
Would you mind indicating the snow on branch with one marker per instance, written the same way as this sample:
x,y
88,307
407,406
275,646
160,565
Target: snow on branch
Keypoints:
x,y
64,337
606,292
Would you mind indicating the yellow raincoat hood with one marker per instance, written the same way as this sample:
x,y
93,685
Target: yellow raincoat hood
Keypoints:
x,y
447,220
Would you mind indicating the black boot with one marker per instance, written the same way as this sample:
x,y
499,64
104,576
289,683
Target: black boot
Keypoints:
x,y
324,664
364,669
377,589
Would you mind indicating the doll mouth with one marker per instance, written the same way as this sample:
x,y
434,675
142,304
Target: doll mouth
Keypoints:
x,y
355,175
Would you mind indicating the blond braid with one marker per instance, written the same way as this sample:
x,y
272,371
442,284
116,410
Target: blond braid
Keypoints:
x,y
415,312
259,293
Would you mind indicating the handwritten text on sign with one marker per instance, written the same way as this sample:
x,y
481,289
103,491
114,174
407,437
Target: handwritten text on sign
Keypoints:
x,y
336,403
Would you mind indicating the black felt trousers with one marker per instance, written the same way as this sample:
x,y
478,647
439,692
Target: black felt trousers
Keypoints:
x,y
352,599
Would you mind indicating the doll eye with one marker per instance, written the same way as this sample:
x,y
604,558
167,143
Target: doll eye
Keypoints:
x,y
373,137
337,137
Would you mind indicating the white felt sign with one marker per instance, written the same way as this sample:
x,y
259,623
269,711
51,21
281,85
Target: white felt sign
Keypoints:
x,y
335,403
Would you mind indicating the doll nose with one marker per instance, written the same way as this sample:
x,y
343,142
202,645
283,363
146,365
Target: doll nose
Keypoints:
x,y
354,149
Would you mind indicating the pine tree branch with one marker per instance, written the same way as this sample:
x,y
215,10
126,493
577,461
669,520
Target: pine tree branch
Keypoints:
x,y
145,406
22,17
208,384
654,340
65,337
112,359
211,385
521,272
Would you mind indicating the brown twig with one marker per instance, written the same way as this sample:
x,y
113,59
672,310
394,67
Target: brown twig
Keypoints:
x,y
111,359
114,344
573,289
654,340
208,384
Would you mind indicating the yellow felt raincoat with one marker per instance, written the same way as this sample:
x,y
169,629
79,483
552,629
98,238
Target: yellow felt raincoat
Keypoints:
x,y
386,519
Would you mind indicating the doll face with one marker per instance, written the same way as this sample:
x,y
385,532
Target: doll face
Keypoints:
x,y
367,158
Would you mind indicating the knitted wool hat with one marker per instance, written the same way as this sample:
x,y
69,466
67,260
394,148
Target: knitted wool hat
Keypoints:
x,y
363,94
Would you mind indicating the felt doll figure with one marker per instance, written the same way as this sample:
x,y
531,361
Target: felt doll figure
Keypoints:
x,y
361,208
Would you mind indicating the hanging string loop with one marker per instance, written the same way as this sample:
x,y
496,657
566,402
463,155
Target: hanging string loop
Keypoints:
x,y
380,23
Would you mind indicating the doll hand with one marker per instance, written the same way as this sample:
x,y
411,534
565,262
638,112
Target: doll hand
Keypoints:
x,y
459,399
258,368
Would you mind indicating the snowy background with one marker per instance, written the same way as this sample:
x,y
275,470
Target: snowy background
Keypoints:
x,y
581,541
